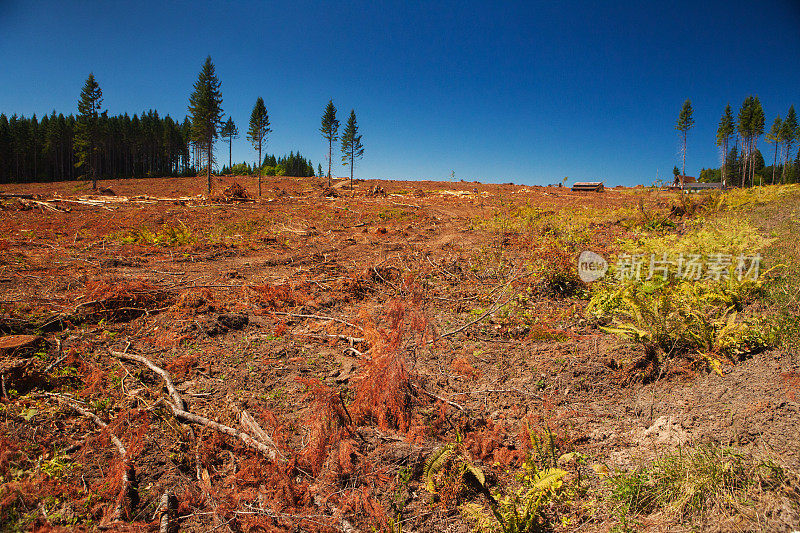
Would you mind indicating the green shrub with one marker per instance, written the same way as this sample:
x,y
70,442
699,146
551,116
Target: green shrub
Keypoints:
x,y
685,317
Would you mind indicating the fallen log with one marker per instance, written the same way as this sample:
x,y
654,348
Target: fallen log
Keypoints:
x,y
167,510
179,410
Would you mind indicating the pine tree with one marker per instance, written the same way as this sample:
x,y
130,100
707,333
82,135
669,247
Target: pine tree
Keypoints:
x,y
329,130
789,131
751,126
230,131
774,137
352,148
5,149
724,131
684,124
259,128
87,126
745,118
757,129
319,170
205,107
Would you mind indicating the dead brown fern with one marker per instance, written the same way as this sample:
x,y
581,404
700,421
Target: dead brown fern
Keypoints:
x,y
120,299
277,296
327,422
384,395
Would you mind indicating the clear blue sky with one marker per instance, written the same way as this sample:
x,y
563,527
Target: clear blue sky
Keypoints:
x,y
527,92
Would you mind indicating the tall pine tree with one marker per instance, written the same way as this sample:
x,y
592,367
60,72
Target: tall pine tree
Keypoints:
x,y
259,128
352,148
789,131
87,127
751,126
230,131
205,107
745,119
757,129
329,130
724,132
774,137
684,124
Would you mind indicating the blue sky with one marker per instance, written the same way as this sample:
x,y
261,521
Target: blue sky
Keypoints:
x,y
526,92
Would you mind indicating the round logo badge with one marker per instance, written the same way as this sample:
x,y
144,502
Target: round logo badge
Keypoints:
x,y
591,266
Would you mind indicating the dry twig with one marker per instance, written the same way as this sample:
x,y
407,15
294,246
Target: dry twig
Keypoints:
x,y
318,317
437,397
178,409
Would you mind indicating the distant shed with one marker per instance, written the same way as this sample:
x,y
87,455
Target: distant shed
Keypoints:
x,y
590,186
683,180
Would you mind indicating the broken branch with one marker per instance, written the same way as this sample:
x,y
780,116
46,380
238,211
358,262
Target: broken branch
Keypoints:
x,y
128,474
317,317
176,398
437,397
268,452
178,409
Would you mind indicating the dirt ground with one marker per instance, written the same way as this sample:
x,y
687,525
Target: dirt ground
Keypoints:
x,y
360,330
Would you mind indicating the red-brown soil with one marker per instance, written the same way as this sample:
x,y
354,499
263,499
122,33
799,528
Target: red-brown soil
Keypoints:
x,y
172,276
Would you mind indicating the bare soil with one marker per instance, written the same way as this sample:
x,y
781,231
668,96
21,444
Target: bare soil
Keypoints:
x,y
233,297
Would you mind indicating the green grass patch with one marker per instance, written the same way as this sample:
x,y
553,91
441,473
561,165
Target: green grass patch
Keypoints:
x,y
695,485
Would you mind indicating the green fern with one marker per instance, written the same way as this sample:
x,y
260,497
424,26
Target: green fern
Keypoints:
x,y
684,318
549,481
448,457
521,511
435,463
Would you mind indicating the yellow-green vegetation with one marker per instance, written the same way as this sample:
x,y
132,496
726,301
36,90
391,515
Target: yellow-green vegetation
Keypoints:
x,y
695,485
248,230
725,234
540,486
685,317
166,235
706,315
522,510
392,213
450,464
738,199
776,211
569,227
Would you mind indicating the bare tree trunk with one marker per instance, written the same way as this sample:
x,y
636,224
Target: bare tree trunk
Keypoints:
x,y
684,157
92,161
785,162
330,152
775,162
208,166
745,158
724,161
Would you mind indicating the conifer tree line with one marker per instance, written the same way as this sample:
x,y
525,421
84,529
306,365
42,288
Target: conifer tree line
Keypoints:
x,y
33,149
738,135
93,145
